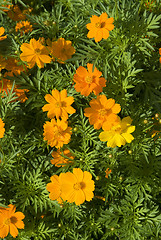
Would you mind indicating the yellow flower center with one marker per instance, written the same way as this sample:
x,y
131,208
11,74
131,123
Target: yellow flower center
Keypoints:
x,y
7,221
118,130
80,185
88,79
37,51
58,104
100,25
102,112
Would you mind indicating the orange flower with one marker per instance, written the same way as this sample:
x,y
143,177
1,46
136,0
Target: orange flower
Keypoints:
x,y
77,186
99,27
160,54
34,52
2,129
59,160
24,27
102,112
10,221
107,172
14,67
7,85
59,104
61,50
88,81
57,133
55,188
2,63
16,14
119,134
2,30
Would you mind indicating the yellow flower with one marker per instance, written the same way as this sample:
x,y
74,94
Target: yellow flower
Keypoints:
x,y
34,53
59,104
57,133
99,27
119,134
1,33
2,129
61,50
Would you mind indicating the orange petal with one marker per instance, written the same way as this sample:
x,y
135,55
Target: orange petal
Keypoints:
x,y
13,230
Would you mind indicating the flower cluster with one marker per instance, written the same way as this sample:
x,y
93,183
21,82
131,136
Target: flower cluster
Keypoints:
x,y
72,187
10,221
23,27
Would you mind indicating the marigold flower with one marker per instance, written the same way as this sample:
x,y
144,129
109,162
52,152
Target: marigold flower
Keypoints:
x,y
2,30
34,53
99,27
57,133
160,54
23,27
10,221
119,134
2,129
108,171
88,80
77,186
59,160
102,112
59,104
61,50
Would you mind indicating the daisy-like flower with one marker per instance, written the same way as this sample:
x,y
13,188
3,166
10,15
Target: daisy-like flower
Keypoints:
x,y
61,50
10,221
102,112
2,129
119,134
77,186
34,53
59,104
88,80
2,30
23,27
60,161
57,133
99,27
160,54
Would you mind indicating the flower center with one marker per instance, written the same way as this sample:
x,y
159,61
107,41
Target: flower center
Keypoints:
x,y
80,185
58,104
7,221
88,79
37,51
100,25
102,112
118,130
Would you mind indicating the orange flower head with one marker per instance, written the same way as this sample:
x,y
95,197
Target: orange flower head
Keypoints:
x,y
119,134
99,27
55,188
6,84
77,186
102,112
57,133
2,129
34,53
2,30
88,80
10,221
23,27
61,50
108,171
16,14
13,66
59,160
59,104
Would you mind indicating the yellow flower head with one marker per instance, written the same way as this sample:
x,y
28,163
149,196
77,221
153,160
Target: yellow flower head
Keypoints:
x,y
119,134
34,53
23,27
88,80
10,221
59,104
57,133
2,30
102,112
59,160
2,129
61,50
99,27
